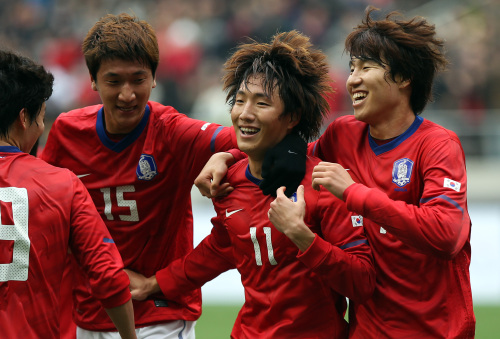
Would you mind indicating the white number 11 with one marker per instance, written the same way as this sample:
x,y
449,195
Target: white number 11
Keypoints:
x,y
256,246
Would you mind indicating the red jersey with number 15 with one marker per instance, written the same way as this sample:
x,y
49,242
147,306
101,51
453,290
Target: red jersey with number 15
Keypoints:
x,y
141,186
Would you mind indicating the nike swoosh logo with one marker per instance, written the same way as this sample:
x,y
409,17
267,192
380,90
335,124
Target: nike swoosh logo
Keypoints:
x,y
83,175
291,152
228,214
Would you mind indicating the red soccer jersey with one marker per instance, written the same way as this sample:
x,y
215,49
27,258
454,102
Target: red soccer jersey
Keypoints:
x,y
44,211
287,294
413,197
141,186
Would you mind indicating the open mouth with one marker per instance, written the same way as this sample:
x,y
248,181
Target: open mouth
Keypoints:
x,y
358,97
249,130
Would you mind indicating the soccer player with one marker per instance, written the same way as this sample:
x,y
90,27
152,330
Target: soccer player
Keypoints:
x,y
45,211
406,176
138,159
295,286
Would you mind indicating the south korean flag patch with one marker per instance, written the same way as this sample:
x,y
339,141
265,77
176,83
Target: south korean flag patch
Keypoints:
x,y
357,220
454,185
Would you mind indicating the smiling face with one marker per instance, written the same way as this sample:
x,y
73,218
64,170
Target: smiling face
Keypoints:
x,y
257,119
376,98
124,88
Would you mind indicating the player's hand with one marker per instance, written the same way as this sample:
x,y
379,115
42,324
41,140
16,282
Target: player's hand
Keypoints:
x,y
331,176
288,218
210,177
140,286
284,165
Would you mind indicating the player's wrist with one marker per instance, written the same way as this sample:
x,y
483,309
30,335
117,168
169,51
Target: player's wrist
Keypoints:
x,y
300,235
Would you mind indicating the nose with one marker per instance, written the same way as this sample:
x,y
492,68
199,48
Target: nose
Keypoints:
x,y
354,79
127,93
247,112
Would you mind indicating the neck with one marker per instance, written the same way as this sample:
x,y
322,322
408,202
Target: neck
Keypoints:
x,y
392,128
255,167
4,142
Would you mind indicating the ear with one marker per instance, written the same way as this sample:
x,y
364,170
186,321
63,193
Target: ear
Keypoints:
x,y
154,83
404,83
294,120
23,118
93,83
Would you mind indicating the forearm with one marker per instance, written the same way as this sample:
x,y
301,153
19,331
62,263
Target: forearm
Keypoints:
x,y
350,272
438,227
123,318
204,263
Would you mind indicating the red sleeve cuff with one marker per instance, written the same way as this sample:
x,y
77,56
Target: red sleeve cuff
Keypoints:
x,y
117,299
347,191
237,154
315,254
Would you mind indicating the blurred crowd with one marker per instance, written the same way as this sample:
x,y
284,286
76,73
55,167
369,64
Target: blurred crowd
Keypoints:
x,y
196,36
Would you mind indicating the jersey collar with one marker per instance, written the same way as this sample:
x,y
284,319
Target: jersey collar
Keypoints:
x,y
10,149
250,177
128,139
379,149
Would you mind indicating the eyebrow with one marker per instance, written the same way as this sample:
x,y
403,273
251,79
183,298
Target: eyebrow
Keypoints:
x,y
258,95
141,72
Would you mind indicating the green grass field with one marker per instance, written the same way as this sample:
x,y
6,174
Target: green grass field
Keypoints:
x,y
217,320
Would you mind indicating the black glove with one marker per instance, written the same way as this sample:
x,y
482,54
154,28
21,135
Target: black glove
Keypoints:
x,y
284,165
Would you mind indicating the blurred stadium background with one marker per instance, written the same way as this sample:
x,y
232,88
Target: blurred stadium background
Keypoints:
x,y
196,36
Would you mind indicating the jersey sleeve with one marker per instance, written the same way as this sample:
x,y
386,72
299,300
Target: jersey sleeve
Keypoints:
x,y
95,251
212,257
440,224
195,141
341,255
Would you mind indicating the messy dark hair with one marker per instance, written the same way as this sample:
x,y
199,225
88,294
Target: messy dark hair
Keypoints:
x,y
23,84
122,37
291,65
409,48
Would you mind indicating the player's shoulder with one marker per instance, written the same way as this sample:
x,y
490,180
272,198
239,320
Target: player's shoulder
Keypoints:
x,y
435,131
237,171
41,167
162,112
79,116
346,124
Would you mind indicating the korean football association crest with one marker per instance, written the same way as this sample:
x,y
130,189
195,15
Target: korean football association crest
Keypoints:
x,y
401,171
146,169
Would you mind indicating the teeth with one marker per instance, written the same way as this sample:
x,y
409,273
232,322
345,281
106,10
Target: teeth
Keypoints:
x,y
249,130
358,96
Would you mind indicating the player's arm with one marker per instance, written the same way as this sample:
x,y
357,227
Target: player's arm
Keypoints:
x,y
342,257
209,259
123,318
96,252
440,224
209,181
284,165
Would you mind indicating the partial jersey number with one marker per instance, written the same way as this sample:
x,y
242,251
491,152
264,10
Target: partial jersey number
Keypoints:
x,y
18,268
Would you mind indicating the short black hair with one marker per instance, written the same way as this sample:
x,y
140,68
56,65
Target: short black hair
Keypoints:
x,y
23,84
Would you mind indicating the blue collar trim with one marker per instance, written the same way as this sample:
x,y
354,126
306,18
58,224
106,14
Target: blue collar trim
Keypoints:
x,y
379,149
128,139
10,149
251,177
